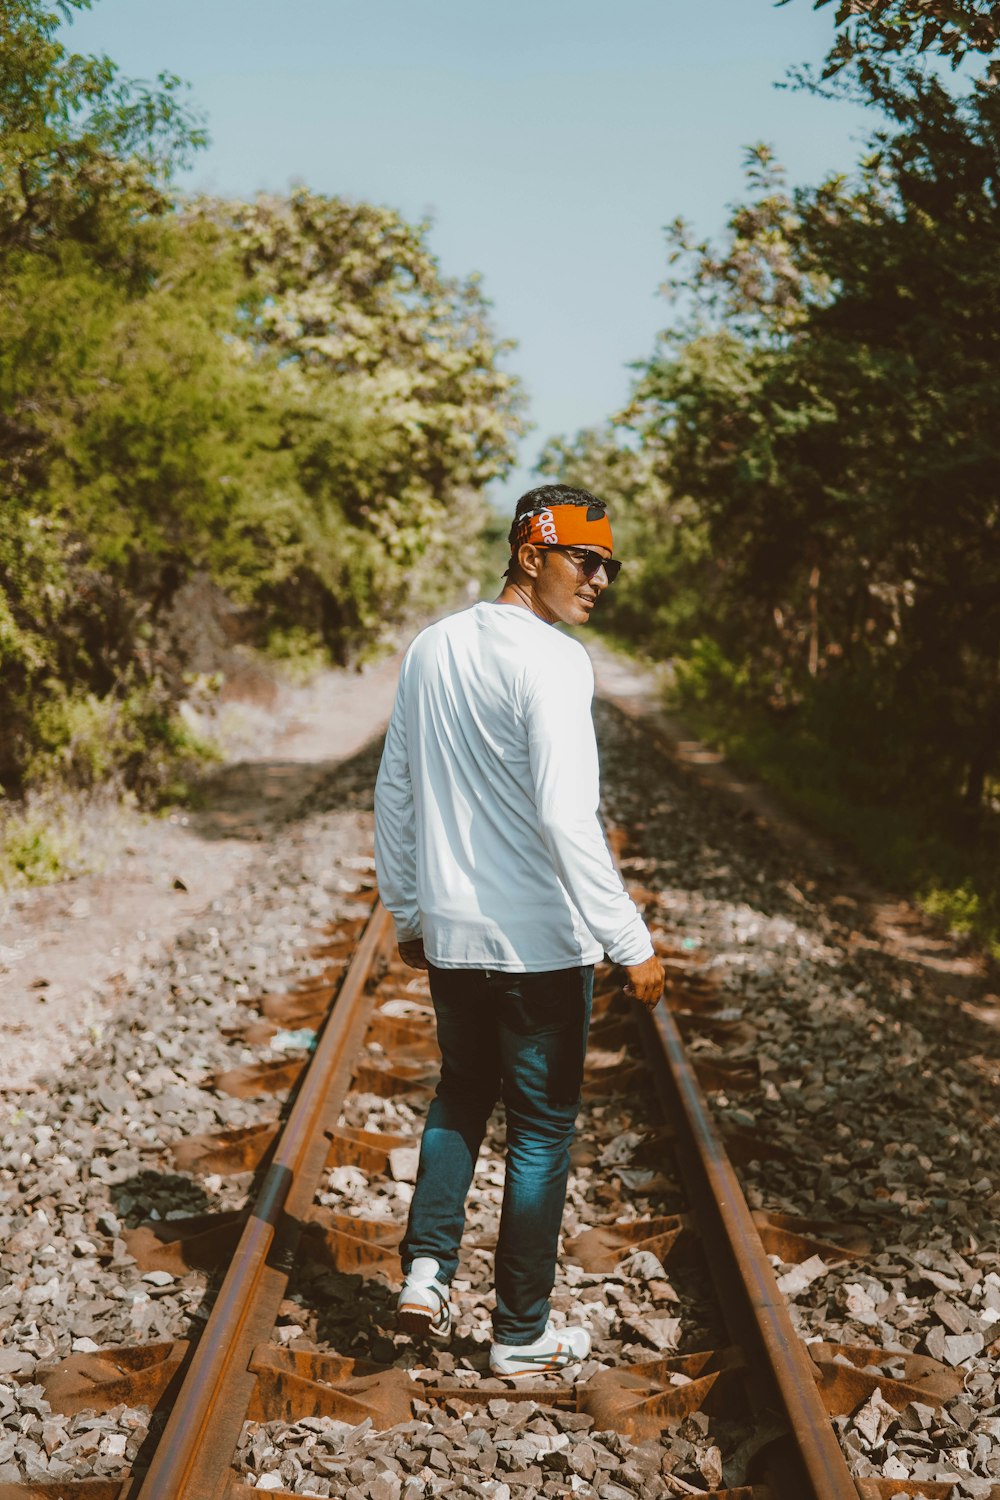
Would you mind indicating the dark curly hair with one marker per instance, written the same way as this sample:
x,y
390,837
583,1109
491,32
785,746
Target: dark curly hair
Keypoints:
x,y
547,495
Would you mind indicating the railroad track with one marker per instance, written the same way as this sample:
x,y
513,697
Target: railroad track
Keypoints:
x,y
752,1379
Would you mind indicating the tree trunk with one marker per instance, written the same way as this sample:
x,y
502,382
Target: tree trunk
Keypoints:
x,y
814,622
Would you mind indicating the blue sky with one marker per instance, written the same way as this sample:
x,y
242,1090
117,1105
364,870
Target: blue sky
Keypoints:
x,y
549,140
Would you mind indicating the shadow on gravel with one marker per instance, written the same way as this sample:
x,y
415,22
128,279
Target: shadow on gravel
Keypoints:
x,y
356,1316
254,799
138,1198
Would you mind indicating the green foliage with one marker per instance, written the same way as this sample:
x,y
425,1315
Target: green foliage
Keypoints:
x,y
286,397
495,555
912,842
78,143
56,832
705,675
82,740
395,412
823,420
665,589
968,901
300,654
837,431
35,848
877,29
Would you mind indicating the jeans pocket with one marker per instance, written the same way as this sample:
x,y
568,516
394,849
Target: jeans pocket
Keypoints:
x,y
550,1010
538,1004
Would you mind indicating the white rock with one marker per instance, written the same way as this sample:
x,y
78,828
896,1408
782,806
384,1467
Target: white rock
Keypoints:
x,y
47,1292
662,1333
403,1162
874,1418
643,1265
961,1346
856,1301
799,1277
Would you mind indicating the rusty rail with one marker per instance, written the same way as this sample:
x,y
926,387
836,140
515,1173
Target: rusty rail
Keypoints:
x,y
237,1372
812,1466
193,1457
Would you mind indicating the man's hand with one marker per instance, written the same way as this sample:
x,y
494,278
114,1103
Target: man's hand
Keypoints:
x,y
412,953
645,981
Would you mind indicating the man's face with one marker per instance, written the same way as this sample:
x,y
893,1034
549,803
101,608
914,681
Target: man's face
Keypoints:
x,y
563,593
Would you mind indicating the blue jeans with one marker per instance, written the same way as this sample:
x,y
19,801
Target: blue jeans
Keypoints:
x,y
522,1038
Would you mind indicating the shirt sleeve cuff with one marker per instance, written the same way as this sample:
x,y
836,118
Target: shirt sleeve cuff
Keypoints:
x,y
406,932
633,946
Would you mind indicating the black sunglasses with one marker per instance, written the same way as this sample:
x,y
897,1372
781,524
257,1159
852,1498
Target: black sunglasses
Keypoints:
x,y
591,562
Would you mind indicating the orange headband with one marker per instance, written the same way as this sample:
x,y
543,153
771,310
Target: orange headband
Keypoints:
x,y
565,525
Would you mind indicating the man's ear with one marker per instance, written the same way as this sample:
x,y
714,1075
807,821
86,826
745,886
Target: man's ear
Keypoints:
x,y
529,559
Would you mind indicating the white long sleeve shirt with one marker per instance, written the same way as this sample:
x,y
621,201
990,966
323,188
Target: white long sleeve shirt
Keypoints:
x,y
487,838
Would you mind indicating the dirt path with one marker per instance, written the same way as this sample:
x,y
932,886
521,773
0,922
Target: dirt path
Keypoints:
x,y
68,951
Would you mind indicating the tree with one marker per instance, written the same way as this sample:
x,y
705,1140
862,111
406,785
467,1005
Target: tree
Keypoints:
x,y
85,160
876,30
78,141
286,396
669,583
348,302
826,406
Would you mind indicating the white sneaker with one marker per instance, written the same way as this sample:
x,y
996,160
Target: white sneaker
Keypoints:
x,y
557,1348
423,1308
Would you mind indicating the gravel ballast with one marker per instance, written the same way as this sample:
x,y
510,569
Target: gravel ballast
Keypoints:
x,y
875,1089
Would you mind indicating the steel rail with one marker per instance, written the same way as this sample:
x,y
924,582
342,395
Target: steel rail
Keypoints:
x,y
815,1467
194,1455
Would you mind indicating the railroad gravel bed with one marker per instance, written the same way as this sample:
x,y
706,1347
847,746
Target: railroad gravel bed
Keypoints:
x,y
82,1155
876,1107
875,1104
502,1450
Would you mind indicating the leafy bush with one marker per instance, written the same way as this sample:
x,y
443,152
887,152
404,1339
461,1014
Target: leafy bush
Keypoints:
x,y
56,833
299,652
138,737
706,675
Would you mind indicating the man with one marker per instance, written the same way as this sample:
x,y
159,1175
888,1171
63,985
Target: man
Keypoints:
x,y
491,859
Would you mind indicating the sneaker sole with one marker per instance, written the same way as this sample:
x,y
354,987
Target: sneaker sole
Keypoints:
x,y
552,1368
419,1323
